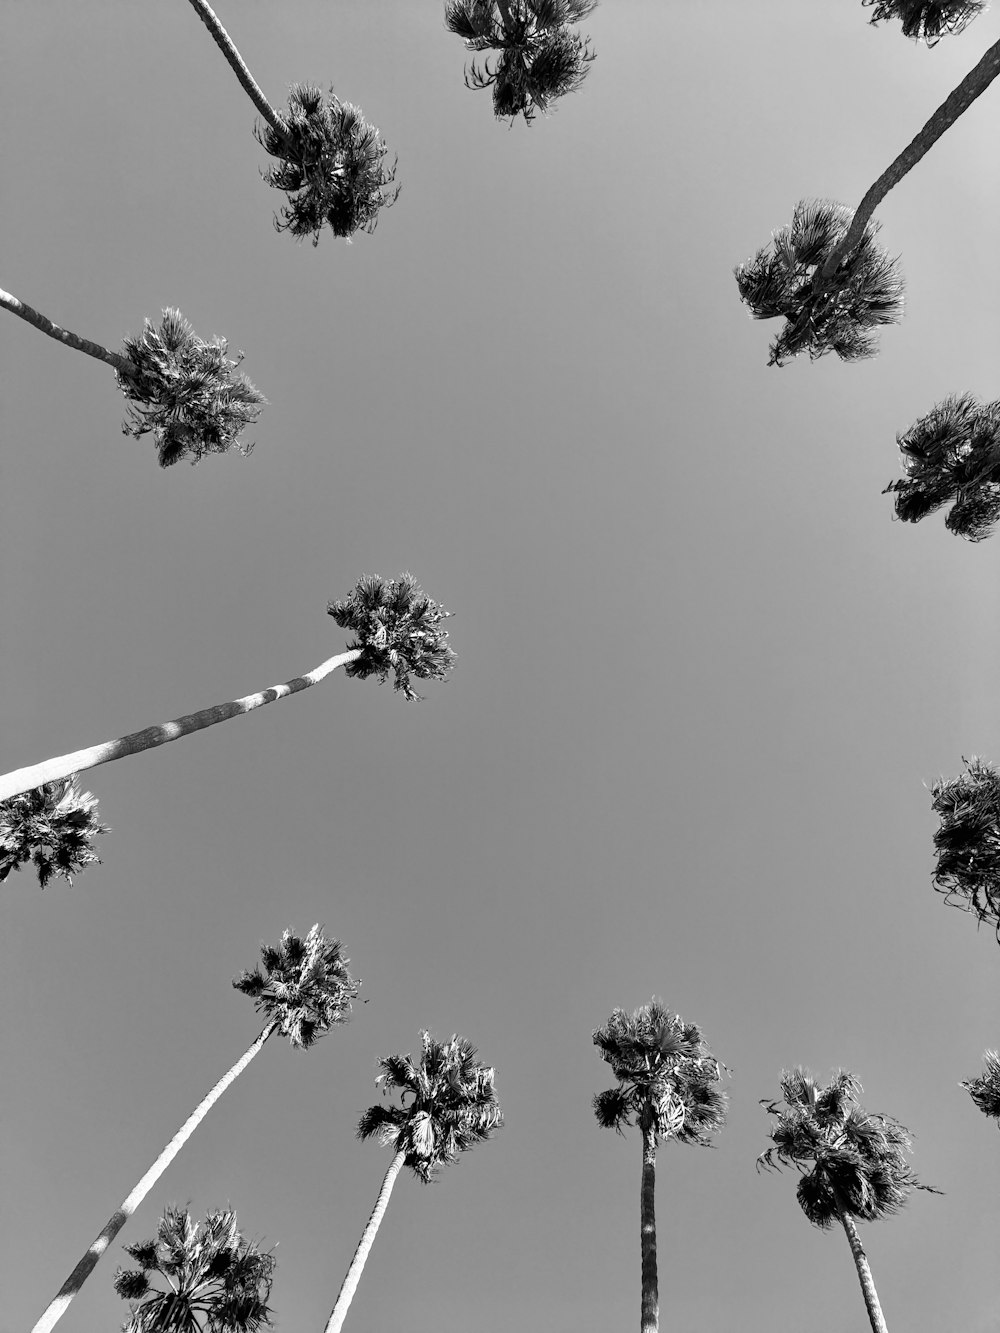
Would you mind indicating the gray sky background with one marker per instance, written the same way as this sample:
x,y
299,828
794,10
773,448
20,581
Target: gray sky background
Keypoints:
x,y
703,678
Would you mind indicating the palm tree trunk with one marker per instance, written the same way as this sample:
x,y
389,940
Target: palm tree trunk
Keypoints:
x,y
650,1320
26,779
864,1274
57,1307
121,363
239,67
957,101
350,1284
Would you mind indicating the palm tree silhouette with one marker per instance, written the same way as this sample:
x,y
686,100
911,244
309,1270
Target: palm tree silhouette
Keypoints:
x,y
52,826
927,20
214,1280
331,161
984,1089
453,1106
539,58
667,1086
853,1164
967,842
304,990
180,389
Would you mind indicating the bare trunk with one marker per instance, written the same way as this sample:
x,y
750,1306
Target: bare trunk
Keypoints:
x,y
864,1274
121,363
26,779
350,1284
239,67
57,1308
650,1320
957,101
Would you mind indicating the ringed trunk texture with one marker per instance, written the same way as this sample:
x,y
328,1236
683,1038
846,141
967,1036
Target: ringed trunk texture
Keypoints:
x,y
350,1285
864,1274
239,66
650,1321
959,100
57,1307
26,779
121,363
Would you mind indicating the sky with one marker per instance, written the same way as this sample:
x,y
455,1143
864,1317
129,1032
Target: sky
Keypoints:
x,y
703,682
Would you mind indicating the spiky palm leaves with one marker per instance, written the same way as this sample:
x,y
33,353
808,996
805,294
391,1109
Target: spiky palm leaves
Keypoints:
x,y
304,990
927,20
668,1086
952,454
53,827
214,1281
539,58
967,842
984,1089
854,1165
823,314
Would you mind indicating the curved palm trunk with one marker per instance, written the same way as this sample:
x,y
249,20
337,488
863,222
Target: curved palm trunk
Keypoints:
x,y
350,1284
57,1308
650,1320
26,779
239,67
864,1274
957,101
121,363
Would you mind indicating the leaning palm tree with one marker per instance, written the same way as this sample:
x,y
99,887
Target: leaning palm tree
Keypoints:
x,y
667,1086
213,1280
853,1164
927,20
952,456
967,842
51,827
398,631
539,58
331,161
454,1106
825,275
304,990
181,390
984,1089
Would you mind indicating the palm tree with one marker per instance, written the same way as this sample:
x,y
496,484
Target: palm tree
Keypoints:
x,y
984,1089
214,1280
853,1164
454,1106
329,157
304,990
824,274
52,826
967,842
539,59
667,1085
180,389
952,455
398,630
927,20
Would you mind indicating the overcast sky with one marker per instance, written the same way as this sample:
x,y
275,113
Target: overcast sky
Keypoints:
x,y
703,678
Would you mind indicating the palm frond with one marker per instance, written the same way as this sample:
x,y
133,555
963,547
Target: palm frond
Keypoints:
x,y
927,20
305,986
967,842
51,827
984,1089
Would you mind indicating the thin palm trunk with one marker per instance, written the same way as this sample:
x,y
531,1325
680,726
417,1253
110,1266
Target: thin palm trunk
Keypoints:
x,y
27,779
121,363
864,1274
350,1284
958,101
57,1307
239,66
650,1320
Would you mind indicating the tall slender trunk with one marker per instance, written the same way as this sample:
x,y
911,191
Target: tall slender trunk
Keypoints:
x,y
350,1284
57,1307
26,779
121,363
960,99
239,67
650,1320
864,1274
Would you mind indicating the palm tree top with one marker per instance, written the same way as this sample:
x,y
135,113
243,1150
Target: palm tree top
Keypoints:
x,y
305,986
967,842
448,1103
666,1076
984,1089
215,1281
927,20
53,827
398,629
852,1162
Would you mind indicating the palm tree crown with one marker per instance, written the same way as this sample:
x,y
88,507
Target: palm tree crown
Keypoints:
x,y
305,986
52,826
984,1089
852,1163
447,1105
539,58
927,20
665,1073
214,1280
967,841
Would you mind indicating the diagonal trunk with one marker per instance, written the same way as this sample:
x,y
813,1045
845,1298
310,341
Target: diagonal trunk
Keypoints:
x,y
650,1320
57,1307
26,779
864,1273
958,100
239,67
350,1284
121,363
